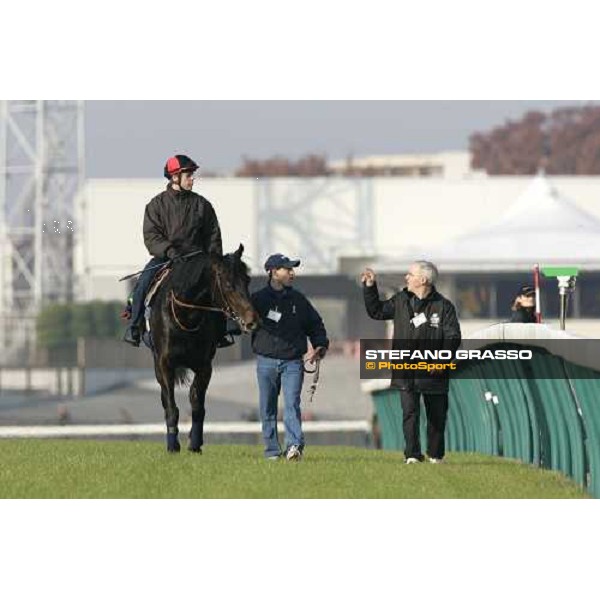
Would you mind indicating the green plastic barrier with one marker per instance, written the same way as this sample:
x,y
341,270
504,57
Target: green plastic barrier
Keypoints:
x,y
565,423
512,409
389,417
587,392
470,391
496,409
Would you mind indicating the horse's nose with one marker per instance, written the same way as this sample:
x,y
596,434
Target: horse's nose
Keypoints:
x,y
251,320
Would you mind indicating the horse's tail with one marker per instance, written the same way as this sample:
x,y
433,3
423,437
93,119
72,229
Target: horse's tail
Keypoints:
x,y
182,376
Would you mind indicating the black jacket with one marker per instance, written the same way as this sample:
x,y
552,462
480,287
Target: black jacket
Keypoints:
x,y
441,331
177,222
523,315
286,338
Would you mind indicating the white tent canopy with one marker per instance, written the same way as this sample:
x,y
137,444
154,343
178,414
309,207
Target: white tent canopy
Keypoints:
x,y
540,226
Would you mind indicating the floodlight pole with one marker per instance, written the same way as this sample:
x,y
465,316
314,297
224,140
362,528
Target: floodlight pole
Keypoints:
x,y
566,277
566,284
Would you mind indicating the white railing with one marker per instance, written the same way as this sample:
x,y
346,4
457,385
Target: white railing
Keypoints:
x,y
234,427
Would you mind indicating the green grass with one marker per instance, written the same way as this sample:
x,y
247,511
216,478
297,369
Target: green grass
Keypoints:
x,y
133,469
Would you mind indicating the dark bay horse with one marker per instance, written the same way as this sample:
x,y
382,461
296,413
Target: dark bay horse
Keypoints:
x,y
186,322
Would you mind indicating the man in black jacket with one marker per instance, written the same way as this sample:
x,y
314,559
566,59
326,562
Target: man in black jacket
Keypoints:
x,y
423,318
176,222
288,318
523,307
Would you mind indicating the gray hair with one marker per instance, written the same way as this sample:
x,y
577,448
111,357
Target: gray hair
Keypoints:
x,y
429,270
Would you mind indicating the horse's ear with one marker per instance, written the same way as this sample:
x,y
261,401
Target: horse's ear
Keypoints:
x,y
240,251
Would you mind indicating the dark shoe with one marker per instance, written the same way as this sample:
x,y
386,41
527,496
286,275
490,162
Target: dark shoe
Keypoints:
x,y
132,335
232,328
226,341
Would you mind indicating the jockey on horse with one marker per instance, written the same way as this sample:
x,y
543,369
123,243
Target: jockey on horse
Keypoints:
x,y
176,222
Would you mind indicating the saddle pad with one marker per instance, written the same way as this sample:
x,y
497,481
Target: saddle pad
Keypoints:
x,y
148,301
155,285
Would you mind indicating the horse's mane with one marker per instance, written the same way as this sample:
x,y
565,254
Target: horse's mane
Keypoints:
x,y
191,275
237,265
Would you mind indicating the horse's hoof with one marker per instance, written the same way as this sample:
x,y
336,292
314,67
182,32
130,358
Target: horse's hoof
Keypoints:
x,y
173,443
195,439
174,450
173,446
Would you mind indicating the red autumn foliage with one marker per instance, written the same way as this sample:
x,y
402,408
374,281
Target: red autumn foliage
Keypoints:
x,y
564,142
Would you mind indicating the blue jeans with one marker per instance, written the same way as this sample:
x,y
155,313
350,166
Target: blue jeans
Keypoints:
x,y
141,289
274,374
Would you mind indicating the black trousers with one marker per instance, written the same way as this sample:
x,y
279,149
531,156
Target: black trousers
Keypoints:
x,y
436,408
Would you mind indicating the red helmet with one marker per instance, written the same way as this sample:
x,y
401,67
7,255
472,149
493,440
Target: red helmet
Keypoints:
x,y
177,164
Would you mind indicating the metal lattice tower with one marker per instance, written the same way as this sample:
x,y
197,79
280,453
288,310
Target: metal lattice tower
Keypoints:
x,y
41,174
319,219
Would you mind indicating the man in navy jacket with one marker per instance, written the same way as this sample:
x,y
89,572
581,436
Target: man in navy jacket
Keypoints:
x,y
280,343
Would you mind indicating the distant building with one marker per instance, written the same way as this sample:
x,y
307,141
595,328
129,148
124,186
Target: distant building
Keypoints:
x,y
485,233
483,268
446,165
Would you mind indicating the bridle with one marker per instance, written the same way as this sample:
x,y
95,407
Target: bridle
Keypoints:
x,y
227,310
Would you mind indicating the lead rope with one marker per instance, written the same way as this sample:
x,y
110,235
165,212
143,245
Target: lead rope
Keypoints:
x,y
313,386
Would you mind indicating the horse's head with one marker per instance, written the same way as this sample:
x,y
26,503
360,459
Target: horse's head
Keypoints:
x,y
231,275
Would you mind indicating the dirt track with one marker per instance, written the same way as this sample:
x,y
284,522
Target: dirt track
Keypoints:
x,y
232,396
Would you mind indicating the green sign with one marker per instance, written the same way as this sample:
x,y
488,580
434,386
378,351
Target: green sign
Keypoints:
x,y
560,271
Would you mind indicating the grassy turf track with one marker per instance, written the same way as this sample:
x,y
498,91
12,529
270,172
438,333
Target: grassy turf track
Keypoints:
x,y
135,469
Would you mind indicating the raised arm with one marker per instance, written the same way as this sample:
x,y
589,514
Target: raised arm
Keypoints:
x,y
381,310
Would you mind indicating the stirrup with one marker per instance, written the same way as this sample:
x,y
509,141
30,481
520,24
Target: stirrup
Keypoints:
x,y
132,335
226,341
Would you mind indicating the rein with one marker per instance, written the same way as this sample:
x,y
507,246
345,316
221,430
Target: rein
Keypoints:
x,y
173,300
227,311
167,262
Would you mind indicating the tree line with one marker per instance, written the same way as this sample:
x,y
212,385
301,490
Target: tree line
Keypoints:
x,y
564,142
59,325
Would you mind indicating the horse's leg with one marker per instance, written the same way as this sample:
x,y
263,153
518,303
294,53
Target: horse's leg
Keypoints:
x,y
198,389
166,378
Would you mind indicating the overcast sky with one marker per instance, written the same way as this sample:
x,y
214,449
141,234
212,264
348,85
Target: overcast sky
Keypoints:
x,y
134,138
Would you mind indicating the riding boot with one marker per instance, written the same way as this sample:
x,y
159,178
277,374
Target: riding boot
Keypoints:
x,y
132,335
231,328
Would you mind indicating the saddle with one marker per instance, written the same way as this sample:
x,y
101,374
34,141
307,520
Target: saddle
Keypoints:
x,y
159,278
154,286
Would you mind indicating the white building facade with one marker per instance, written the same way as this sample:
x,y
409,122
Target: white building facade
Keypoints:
x,y
338,225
